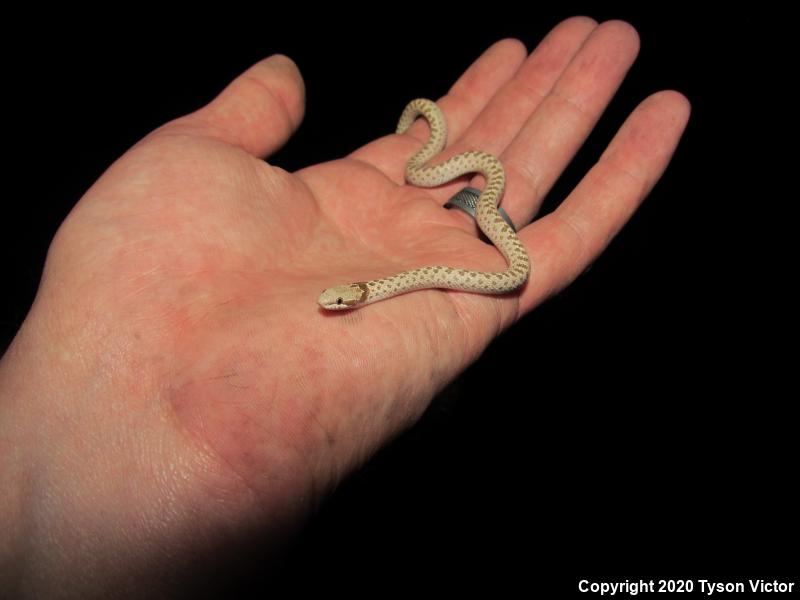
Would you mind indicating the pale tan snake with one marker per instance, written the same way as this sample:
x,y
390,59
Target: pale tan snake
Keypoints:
x,y
353,295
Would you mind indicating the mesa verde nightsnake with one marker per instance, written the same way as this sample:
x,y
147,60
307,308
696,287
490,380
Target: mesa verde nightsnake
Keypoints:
x,y
358,294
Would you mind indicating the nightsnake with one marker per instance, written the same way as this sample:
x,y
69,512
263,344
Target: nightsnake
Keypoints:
x,y
353,295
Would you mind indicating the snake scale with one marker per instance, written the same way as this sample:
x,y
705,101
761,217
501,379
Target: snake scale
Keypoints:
x,y
353,295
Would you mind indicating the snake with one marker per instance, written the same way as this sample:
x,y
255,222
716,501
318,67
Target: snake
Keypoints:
x,y
418,173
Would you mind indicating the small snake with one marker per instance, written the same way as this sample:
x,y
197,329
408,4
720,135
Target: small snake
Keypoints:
x,y
354,295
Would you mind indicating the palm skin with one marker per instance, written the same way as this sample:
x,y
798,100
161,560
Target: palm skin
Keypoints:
x,y
178,303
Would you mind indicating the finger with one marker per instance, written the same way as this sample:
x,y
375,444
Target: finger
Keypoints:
x,y
565,242
507,112
565,117
461,105
258,111
503,117
468,96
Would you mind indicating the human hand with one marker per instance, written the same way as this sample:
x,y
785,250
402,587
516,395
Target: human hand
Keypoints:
x,y
176,385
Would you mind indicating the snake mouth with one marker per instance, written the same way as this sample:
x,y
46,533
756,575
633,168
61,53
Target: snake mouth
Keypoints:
x,y
335,307
329,306
330,300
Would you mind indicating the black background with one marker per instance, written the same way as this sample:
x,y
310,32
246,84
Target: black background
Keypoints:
x,y
640,428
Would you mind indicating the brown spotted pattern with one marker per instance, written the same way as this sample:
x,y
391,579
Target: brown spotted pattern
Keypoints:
x,y
489,220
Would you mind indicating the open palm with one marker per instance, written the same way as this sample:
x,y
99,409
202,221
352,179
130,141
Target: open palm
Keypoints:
x,y
184,283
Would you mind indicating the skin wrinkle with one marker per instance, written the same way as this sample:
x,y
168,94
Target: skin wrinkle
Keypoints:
x,y
569,222
355,344
284,111
470,86
395,413
364,442
439,342
458,98
368,246
565,101
234,477
198,437
353,231
603,176
616,167
525,171
467,309
288,120
531,93
203,446
611,160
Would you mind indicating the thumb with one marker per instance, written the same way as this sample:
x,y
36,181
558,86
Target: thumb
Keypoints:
x,y
259,110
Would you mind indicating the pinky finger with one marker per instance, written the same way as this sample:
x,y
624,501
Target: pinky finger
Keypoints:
x,y
563,243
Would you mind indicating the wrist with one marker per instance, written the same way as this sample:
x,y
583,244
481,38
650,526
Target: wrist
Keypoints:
x,y
95,486
99,479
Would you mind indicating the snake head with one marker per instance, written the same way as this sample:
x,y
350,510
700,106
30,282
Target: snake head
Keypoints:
x,y
342,297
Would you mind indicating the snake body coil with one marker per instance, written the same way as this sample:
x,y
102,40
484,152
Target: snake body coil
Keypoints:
x,y
358,294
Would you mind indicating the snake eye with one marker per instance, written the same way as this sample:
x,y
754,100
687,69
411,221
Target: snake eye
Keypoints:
x,y
339,301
